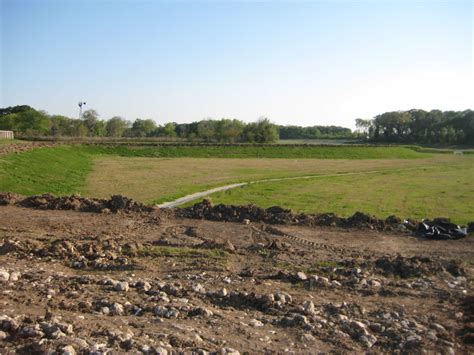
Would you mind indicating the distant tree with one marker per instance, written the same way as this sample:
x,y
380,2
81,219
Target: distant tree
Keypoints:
x,y
206,130
363,126
115,127
143,128
229,131
94,126
169,130
262,131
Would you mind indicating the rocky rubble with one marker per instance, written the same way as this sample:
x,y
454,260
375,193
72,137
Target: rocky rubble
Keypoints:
x,y
221,212
76,283
278,215
77,203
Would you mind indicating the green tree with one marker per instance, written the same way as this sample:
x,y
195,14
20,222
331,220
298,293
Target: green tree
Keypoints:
x,y
115,127
143,128
229,131
206,130
169,130
92,123
262,131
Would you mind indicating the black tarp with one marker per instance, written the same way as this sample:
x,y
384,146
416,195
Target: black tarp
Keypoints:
x,y
441,229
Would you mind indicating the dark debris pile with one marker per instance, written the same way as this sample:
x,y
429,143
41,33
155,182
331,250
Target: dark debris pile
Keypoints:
x,y
278,215
50,202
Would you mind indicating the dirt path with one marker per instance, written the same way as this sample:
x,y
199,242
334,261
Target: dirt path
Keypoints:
x,y
195,196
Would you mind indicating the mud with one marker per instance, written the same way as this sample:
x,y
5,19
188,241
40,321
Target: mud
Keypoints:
x,y
147,281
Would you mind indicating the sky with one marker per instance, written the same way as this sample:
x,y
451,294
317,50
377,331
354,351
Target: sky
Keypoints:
x,y
295,62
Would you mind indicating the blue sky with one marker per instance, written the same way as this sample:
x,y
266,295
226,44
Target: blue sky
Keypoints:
x,y
307,63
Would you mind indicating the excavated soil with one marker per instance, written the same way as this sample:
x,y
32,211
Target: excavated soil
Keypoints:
x,y
15,148
137,279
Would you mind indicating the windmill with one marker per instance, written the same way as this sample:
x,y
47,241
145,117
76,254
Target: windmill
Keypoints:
x,y
80,104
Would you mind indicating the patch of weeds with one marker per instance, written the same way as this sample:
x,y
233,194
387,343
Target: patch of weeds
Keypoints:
x,y
182,252
266,254
285,265
325,264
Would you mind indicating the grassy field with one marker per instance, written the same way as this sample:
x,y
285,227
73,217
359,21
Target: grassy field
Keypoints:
x,y
431,191
269,151
167,179
440,185
61,170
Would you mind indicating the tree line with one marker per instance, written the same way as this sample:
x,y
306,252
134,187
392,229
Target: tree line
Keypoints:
x,y
420,127
28,122
315,132
413,126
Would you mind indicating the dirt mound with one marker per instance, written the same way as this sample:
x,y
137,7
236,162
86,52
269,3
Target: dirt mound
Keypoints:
x,y
417,266
9,198
22,147
50,202
278,215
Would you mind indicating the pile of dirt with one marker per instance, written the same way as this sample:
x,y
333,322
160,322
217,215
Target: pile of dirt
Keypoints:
x,y
417,266
23,147
222,213
77,203
278,215
10,198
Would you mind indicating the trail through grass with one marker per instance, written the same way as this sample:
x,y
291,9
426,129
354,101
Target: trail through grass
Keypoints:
x,y
430,192
160,180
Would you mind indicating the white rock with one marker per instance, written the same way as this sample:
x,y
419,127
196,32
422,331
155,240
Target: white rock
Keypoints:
x,y
116,309
308,337
368,340
198,288
256,323
301,276
308,307
359,327
14,276
4,275
375,283
227,280
122,286
143,286
3,335
68,350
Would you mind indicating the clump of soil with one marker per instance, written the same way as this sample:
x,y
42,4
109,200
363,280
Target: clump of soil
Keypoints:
x,y
278,215
23,147
77,203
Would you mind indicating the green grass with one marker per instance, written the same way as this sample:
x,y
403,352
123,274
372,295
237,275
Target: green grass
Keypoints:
x,y
268,151
183,252
442,185
61,171
13,141
433,191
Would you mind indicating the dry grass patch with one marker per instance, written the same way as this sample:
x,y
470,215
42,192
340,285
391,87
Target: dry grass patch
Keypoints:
x,y
154,180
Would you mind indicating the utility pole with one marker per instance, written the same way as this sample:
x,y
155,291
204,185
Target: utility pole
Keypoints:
x,y
80,104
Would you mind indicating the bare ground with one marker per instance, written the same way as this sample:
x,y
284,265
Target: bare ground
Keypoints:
x,y
154,283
